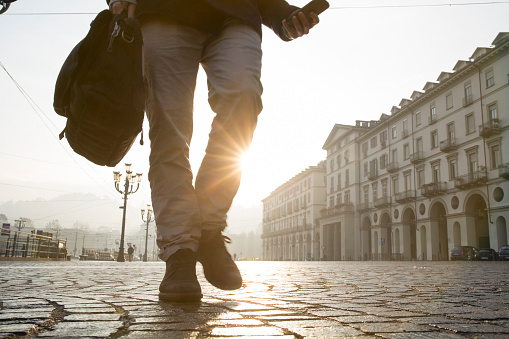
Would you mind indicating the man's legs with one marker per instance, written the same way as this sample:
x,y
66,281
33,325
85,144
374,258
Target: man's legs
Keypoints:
x,y
171,58
232,61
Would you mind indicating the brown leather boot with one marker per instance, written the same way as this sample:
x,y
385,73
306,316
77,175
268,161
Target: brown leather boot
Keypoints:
x,y
180,283
218,265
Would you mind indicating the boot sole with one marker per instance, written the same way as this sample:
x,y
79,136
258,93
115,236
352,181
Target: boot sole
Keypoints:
x,y
180,298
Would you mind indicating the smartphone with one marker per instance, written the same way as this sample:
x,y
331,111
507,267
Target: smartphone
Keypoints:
x,y
316,6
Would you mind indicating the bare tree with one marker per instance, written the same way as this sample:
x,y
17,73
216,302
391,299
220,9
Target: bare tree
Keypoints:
x,y
3,217
54,225
81,225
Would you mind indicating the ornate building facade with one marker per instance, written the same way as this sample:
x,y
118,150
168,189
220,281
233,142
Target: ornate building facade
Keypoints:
x,y
290,217
432,175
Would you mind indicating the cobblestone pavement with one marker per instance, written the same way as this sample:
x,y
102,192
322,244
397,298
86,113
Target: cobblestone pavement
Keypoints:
x,y
278,300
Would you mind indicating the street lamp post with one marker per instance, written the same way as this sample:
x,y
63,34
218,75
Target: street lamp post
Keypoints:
x,y
130,180
149,219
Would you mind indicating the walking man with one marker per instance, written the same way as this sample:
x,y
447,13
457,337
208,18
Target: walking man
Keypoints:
x,y
224,37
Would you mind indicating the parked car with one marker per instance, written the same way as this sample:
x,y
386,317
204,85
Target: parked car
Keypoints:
x,y
504,253
464,253
488,254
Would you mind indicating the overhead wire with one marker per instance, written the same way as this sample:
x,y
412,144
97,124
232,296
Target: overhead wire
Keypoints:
x,y
34,105
335,7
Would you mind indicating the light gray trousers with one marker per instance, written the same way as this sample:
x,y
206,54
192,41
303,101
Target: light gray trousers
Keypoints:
x,y
232,61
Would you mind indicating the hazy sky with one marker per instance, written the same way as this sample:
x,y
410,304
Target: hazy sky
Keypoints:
x,y
356,64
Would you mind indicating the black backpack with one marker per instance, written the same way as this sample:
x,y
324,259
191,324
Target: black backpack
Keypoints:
x,y
100,90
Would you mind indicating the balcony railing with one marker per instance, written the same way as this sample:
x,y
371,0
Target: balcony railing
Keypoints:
x,y
373,174
468,100
489,128
337,210
433,188
471,179
448,145
392,167
364,207
405,196
417,157
503,171
382,202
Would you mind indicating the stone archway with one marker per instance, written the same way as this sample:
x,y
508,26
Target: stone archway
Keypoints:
x,y
501,232
397,243
424,243
439,223
477,219
308,247
409,225
386,243
366,239
456,231
376,241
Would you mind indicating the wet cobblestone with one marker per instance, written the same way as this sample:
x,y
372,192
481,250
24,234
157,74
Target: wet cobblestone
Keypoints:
x,y
278,300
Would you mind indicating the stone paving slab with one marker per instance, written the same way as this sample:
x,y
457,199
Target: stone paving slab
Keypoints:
x,y
278,300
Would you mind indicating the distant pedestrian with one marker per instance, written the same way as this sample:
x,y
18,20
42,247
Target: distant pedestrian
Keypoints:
x,y
130,252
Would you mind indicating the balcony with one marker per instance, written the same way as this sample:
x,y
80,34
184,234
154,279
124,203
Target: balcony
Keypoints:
x,y
470,180
503,171
405,196
490,128
417,157
405,133
382,202
373,174
448,145
383,144
432,119
392,167
365,207
468,100
434,188
337,210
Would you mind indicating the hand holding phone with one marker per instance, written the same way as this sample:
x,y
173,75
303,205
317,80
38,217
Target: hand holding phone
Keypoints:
x,y
315,6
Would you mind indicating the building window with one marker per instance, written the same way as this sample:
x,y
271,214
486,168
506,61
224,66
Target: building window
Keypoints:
x,y
492,111
418,144
347,177
339,181
435,170
366,169
383,138
453,168
364,148
332,164
490,78
347,197
366,194
338,161
373,142
470,123
406,151
374,187
395,185
384,188
434,139
339,198
472,162
394,156
495,156
420,177
394,132
408,181
417,118
432,113
448,100
383,161
331,184
468,94
450,132
331,201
